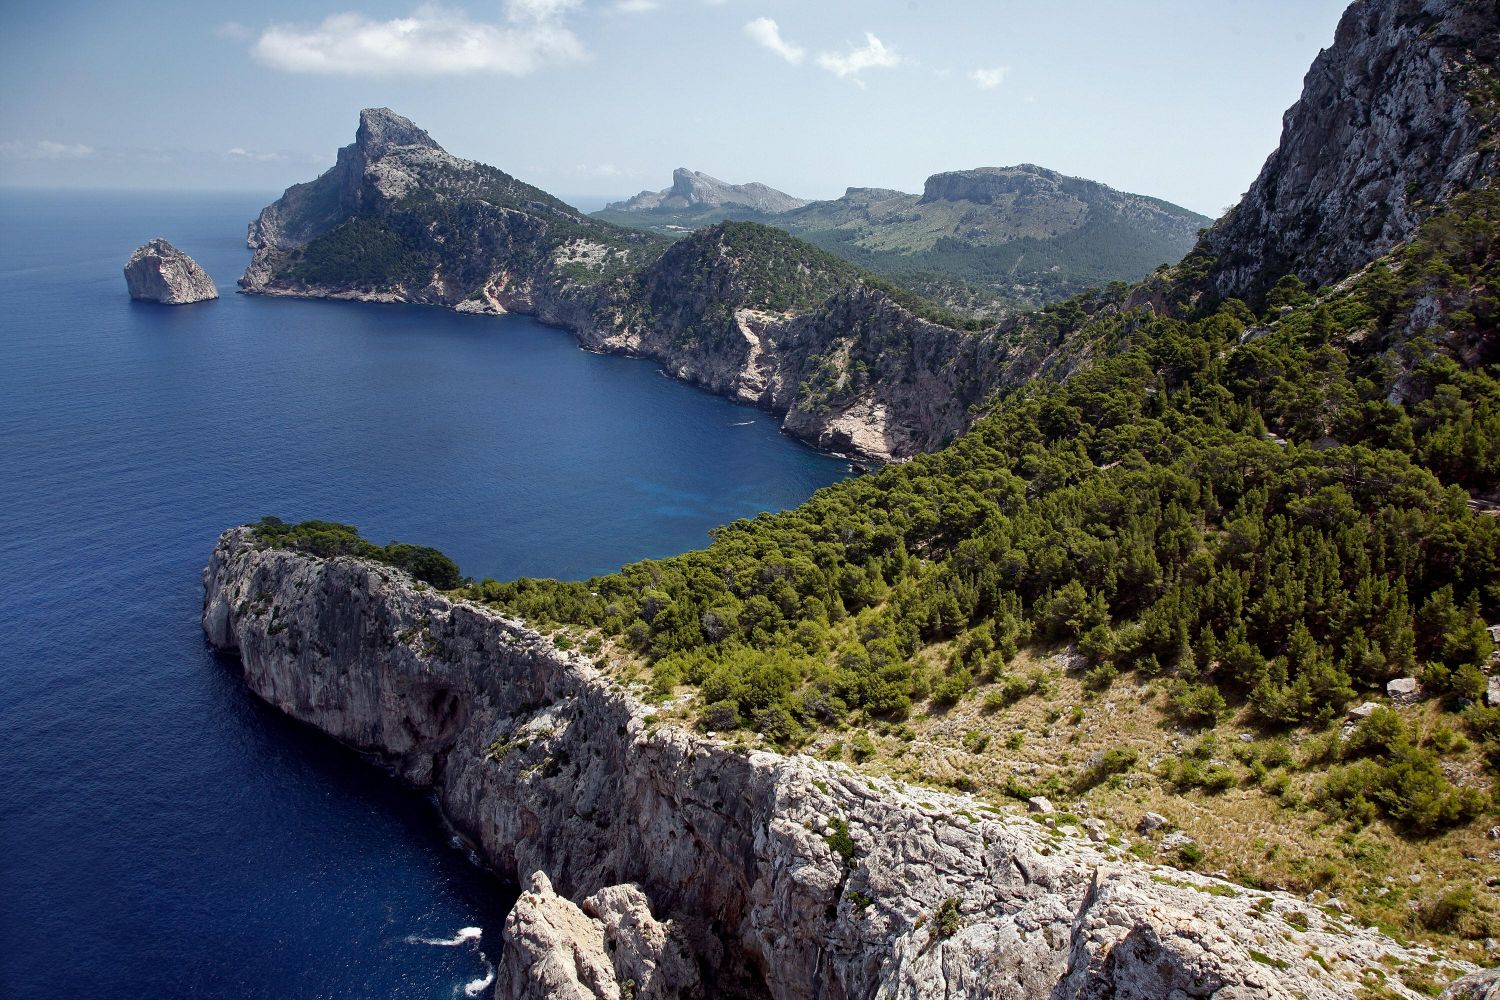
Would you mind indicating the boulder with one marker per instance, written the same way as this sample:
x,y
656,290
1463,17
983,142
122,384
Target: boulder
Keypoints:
x,y
1404,691
1039,804
159,272
1173,841
1363,710
1477,986
1492,694
1151,822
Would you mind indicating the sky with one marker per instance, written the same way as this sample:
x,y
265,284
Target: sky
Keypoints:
x,y
595,99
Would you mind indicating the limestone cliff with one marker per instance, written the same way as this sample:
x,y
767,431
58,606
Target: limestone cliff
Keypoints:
x,y
758,874
159,272
1395,117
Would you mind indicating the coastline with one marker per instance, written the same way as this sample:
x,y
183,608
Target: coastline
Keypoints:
x,y
548,765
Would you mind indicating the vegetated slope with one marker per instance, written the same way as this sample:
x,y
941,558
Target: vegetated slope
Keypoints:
x,y
848,360
1228,517
980,242
1240,522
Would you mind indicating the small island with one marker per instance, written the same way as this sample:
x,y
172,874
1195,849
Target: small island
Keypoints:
x,y
159,272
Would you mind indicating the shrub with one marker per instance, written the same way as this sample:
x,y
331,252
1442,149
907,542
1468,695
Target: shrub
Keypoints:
x,y
948,921
839,841
1191,854
330,538
1197,704
951,689
722,716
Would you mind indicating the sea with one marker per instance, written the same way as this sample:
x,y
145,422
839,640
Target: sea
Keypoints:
x,y
162,832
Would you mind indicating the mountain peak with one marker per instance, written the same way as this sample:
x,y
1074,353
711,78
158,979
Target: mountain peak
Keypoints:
x,y
1393,121
694,189
381,129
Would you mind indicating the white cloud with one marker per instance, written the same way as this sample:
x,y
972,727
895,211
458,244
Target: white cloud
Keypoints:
x,y
636,6
240,153
433,41
765,32
874,55
45,149
989,79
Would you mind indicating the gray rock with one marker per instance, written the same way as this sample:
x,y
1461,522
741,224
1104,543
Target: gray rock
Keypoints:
x,y
1095,830
688,855
1151,822
1174,841
1476,986
1382,135
1492,691
553,949
159,272
1404,691
1039,804
1363,710
610,949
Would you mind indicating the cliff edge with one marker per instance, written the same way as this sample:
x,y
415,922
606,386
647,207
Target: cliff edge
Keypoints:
x,y
666,860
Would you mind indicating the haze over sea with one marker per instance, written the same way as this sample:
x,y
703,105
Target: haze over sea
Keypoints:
x,y
163,833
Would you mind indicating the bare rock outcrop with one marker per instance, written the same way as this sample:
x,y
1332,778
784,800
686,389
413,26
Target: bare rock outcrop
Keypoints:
x,y
159,272
1395,117
611,948
704,864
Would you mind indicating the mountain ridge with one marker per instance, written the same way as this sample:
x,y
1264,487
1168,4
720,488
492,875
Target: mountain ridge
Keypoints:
x,y
983,240
694,189
868,370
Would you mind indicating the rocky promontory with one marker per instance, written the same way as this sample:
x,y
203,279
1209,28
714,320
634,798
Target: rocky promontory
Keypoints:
x,y
159,272
661,863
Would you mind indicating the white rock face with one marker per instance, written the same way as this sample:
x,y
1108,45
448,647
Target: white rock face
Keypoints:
x,y
706,868
159,272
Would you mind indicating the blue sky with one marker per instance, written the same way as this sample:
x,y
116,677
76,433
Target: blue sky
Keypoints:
x,y
1181,99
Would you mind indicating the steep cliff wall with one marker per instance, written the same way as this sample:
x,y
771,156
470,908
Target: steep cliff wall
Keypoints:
x,y
1395,117
760,874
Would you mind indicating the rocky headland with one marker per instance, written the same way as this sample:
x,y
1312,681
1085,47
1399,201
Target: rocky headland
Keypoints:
x,y
662,863
159,272
1396,117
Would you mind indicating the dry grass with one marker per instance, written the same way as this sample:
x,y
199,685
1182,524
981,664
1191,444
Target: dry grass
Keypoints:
x,y
1259,831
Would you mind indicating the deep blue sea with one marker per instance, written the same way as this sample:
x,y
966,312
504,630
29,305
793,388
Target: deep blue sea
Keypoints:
x,y
162,833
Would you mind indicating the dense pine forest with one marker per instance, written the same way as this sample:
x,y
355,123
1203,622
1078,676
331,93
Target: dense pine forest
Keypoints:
x,y
1228,499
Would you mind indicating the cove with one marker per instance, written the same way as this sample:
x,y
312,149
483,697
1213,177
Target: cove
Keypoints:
x,y
165,833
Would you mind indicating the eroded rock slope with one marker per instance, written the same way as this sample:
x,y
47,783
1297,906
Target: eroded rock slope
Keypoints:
x,y
685,868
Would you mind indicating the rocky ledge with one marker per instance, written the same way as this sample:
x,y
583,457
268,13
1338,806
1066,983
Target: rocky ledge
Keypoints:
x,y
700,869
159,272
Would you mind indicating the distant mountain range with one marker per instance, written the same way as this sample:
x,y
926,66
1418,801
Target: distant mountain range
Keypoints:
x,y
692,191
981,241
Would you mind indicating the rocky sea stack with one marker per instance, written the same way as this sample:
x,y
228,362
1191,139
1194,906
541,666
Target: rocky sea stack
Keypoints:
x,y
159,272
